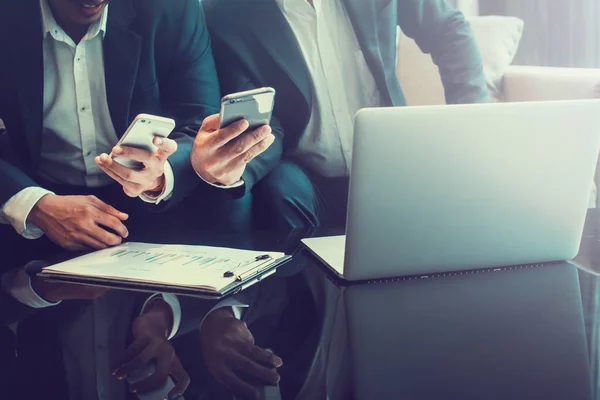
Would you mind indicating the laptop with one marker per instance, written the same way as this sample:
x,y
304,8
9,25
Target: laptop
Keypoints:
x,y
437,189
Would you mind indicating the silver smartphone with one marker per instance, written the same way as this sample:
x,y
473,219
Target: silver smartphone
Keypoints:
x,y
140,134
160,393
255,106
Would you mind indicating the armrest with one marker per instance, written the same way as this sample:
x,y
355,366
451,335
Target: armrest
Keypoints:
x,y
547,83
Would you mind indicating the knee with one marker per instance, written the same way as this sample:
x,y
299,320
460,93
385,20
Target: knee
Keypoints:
x,y
287,194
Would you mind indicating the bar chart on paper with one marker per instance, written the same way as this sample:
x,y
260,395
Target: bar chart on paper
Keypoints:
x,y
173,265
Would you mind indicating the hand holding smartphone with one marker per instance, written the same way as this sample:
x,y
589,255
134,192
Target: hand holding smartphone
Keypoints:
x,y
223,149
254,106
140,135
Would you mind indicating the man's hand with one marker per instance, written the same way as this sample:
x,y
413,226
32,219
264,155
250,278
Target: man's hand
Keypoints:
x,y
221,155
79,223
150,331
233,358
136,182
55,292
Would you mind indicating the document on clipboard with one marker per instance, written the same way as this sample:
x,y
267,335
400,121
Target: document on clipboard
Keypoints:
x,y
211,272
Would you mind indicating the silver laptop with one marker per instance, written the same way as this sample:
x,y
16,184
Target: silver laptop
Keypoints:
x,y
449,188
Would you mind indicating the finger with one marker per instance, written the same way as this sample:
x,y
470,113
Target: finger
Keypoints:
x,y
166,147
130,189
138,361
157,379
88,242
102,235
182,379
262,356
110,173
75,243
113,223
132,351
132,153
229,133
232,382
126,174
249,140
102,206
250,368
253,152
210,123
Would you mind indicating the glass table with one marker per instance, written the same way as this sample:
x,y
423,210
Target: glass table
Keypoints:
x,y
526,333
493,336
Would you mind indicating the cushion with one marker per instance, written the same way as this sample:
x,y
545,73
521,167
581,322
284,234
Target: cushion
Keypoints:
x,y
498,40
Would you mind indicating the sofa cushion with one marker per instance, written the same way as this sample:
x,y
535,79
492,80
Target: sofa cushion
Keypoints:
x,y
498,40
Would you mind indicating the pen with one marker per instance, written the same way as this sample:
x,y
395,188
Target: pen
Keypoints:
x,y
231,273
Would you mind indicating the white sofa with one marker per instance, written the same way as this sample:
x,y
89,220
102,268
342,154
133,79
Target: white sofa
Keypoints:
x,y
498,39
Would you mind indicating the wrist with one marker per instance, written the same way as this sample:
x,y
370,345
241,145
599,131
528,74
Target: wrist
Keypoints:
x,y
220,314
46,290
159,317
37,212
158,186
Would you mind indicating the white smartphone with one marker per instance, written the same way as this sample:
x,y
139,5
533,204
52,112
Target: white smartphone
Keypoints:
x,y
160,393
255,106
140,134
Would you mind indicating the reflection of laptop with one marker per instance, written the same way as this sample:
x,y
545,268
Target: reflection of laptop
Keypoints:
x,y
449,188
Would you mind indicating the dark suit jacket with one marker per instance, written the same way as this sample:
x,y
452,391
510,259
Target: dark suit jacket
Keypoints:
x,y
254,46
157,60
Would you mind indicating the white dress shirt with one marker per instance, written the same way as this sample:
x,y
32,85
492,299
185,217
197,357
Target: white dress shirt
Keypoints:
x,y
341,80
76,123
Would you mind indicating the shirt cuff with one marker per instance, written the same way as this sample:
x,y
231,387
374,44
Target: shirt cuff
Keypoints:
x,y
173,302
18,284
167,189
233,186
237,306
16,211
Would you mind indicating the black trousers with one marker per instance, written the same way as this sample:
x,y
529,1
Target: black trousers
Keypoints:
x,y
39,360
291,198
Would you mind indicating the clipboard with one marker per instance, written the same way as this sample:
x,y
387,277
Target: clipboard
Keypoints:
x,y
199,271
231,290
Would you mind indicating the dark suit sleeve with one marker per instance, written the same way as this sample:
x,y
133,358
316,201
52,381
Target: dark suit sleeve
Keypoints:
x,y
13,180
234,78
11,310
190,91
442,31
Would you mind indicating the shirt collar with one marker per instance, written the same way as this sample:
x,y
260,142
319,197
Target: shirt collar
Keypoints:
x,y
49,24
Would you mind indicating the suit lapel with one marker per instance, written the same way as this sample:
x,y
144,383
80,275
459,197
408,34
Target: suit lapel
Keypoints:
x,y
279,40
122,51
28,58
364,18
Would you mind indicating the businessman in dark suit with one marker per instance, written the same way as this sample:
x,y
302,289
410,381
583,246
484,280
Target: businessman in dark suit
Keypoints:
x,y
86,73
74,74
326,60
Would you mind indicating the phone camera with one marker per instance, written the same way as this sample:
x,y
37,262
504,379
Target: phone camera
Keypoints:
x,y
143,121
232,101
